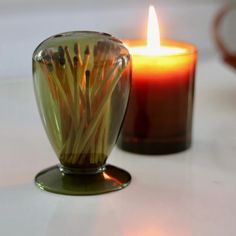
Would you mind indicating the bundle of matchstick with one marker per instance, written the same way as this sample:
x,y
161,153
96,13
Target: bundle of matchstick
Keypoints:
x,y
80,87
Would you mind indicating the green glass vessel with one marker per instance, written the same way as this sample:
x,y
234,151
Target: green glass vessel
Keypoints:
x,y
82,83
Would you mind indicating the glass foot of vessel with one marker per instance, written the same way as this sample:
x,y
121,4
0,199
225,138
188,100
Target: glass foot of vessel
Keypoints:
x,y
110,179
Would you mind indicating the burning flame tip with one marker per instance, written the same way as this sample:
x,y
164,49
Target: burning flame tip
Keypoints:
x,y
153,32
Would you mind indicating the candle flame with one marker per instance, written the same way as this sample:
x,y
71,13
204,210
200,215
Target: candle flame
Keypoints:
x,y
153,46
153,32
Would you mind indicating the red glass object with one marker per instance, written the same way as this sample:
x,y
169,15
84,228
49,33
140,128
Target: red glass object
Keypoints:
x,y
159,115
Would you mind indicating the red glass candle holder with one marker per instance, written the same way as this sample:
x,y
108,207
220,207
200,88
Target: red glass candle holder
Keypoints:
x,y
159,115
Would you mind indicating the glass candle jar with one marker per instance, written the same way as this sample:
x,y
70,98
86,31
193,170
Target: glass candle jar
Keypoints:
x,y
159,116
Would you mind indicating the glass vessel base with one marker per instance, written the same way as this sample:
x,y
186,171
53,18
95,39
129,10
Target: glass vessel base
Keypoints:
x,y
154,148
110,179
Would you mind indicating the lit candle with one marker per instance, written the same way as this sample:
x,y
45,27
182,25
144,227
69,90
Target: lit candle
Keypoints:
x,y
159,115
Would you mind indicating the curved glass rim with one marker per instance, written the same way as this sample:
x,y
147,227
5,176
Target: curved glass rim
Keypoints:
x,y
109,36
190,48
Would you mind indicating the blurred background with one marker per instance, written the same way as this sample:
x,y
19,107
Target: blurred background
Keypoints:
x,y
25,23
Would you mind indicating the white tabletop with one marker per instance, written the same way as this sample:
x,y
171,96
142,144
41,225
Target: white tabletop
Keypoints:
x,y
184,194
